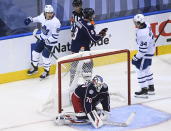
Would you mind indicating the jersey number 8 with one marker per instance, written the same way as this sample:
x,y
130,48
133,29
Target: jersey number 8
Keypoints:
x,y
75,33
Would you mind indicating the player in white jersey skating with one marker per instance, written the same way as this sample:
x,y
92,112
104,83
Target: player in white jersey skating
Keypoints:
x,y
143,59
48,39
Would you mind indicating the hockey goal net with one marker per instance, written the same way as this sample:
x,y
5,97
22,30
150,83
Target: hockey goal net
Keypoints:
x,y
75,69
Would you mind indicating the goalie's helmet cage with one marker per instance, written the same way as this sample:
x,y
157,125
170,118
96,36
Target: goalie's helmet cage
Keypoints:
x,y
88,13
139,18
98,82
77,3
48,9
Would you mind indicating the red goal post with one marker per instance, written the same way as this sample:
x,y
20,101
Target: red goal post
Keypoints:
x,y
61,64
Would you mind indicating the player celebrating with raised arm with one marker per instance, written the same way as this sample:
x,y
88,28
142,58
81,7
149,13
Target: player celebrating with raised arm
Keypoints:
x,y
48,39
87,96
77,14
84,32
143,59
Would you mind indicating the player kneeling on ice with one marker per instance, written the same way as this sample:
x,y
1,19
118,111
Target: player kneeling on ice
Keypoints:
x,y
48,39
85,99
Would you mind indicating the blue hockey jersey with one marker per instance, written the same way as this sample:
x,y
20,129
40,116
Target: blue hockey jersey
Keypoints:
x,y
83,35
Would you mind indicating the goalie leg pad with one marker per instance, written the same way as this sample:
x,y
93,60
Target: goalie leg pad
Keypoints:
x,y
95,119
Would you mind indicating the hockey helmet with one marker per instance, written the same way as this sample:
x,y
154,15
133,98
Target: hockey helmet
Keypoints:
x,y
139,18
76,3
98,82
48,9
88,13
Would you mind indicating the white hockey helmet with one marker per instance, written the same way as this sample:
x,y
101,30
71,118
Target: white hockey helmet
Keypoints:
x,y
139,18
98,82
48,8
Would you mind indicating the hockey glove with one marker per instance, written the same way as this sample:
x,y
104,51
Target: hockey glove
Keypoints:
x,y
28,20
103,32
136,61
134,58
47,42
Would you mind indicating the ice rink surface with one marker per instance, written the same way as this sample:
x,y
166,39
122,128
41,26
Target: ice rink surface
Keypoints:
x,y
20,101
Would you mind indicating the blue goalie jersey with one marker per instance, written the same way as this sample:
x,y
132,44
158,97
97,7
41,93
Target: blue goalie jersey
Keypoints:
x,y
90,98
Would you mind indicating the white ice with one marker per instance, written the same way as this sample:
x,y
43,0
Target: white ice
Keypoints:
x,y
20,101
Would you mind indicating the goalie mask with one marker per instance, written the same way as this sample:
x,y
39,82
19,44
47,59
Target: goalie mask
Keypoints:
x,y
98,82
88,13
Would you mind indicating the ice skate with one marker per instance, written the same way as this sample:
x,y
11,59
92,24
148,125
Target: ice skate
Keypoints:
x,y
32,70
151,90
142,94
44,75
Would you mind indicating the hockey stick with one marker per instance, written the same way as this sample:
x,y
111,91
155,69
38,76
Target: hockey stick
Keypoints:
x,y
35,35
70,119
159,35
161,30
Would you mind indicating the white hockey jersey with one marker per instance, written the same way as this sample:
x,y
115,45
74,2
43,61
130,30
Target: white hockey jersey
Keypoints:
x,y
50,28
145,42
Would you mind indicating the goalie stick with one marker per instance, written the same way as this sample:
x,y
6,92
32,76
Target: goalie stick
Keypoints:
x,y
69,118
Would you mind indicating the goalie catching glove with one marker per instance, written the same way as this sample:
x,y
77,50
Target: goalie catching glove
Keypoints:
x,y
103,32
